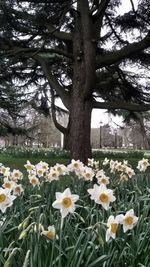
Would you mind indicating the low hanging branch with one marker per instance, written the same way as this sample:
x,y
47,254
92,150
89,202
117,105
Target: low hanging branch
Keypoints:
x,y
121,105
53,108
126,52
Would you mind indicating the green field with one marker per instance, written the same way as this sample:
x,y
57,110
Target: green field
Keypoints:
x,y
16,157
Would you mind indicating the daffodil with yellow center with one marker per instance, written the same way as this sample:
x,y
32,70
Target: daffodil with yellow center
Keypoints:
x,y
103,180
65,202
88,173
18,189
75,165
129,220
112,224
102,195
34,181
6,199
8,184
51,233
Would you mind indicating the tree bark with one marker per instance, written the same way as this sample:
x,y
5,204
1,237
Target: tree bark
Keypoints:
x,y
80,129
84,50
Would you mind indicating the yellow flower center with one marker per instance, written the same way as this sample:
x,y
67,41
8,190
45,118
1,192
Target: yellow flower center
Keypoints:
x,y
53,174
7,185
29,168
34,181
16,174
40,172
87,175
66,202
50,234
44,167
103,198
3,169
59,169
103,181
17,189
76,165
145,163
2,198
128,220
114,227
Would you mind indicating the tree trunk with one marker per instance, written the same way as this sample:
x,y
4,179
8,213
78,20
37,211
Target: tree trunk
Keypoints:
x,y
84,51
80,130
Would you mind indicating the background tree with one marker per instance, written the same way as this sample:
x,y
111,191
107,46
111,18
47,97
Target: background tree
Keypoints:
x,y
83,49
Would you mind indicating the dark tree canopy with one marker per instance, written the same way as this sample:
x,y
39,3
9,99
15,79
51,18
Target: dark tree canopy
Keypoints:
x,y
88,53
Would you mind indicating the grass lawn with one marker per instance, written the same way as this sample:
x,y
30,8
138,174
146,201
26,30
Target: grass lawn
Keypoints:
x,y
18,162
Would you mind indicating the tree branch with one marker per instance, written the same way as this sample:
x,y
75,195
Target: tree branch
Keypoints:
x,y
125,52
101,10
64,36
121,105
61,128
53,82
47,52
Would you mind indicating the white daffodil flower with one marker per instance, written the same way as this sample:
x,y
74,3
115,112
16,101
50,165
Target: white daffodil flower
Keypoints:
x,y
129,220
53,175
100,173
112,225
16,175
34,181
103,180
105,161
17,189
6,199
61,169
87,173
143,164
29,167
75,165
102,195
8,184
130,172
50,233
65,202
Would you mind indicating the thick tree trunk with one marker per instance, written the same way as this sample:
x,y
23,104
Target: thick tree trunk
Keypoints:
x,y
80,129
84,50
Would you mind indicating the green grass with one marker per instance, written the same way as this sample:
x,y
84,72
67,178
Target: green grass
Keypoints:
x,y
19,162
